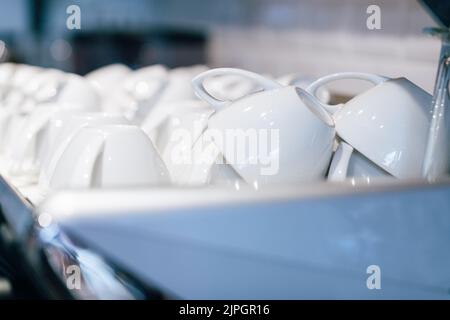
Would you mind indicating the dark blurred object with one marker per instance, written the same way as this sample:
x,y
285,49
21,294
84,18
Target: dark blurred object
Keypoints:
x,y
92,50
440,11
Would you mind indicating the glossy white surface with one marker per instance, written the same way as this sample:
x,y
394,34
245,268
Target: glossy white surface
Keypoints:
x,y
107,77
189,116
145,86
78,93
44,85
349,163
229,87
202,164
389,125
295,242
109,156
61,128
30,142
305,131
305,136
177,90
177,134
145,82
303,81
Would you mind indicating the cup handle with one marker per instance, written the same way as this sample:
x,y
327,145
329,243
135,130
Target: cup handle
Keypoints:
x,y
200,91
339,164
81,176
313,87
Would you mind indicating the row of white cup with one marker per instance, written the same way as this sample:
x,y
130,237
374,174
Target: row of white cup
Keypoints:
x,y
382,132
60,130
109,128
116,127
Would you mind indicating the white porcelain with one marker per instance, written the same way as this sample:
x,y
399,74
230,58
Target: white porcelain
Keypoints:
x,y
142,83
145,86
23,154
229,87
105,78
120,102
21,76
202,164
189,116
179,132
5,116
290,136
60,130
179,85
388,123
177,89
79,94
109,156
223,174
47,86
303,81
6,73
26,137
14,127
44,87
349,163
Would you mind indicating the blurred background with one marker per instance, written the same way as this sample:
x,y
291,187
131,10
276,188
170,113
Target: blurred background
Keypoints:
x,y
268,36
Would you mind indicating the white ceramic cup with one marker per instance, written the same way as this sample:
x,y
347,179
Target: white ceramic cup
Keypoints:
x,y
107,157
349,163
42,88
120,102
287,135
60,130
145,86
5,119
107,78
177,89
23,153
223,174
388,123
229,87
179,132
14,126
23,74
202,164
21,77
25,149
77,93
144,82
47,86
179,85
189,115
6,73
